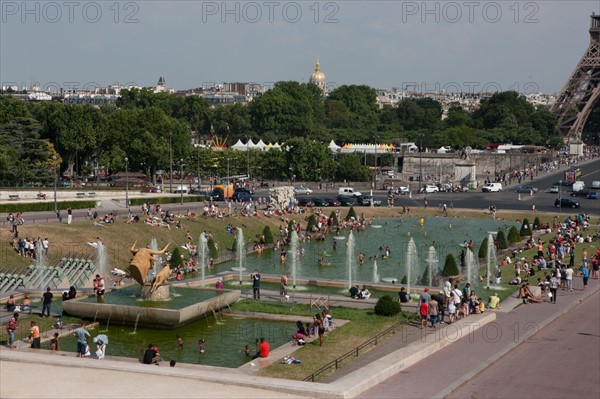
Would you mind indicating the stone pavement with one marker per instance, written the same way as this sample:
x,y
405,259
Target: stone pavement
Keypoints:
x,y
453,355
465,358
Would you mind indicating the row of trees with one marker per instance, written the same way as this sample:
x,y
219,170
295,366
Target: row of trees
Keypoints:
x,y
153,129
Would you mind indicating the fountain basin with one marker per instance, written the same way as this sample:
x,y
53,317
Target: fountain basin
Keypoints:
x,y
141,313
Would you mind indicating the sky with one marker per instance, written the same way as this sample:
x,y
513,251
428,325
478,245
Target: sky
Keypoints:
x,y
470,46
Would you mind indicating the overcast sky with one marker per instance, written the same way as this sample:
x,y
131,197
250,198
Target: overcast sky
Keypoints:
x,y
527,46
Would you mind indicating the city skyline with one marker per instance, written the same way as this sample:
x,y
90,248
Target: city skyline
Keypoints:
x,y
470,46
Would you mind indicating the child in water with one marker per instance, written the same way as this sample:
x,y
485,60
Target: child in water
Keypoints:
x,y
179,342
247,350
201,347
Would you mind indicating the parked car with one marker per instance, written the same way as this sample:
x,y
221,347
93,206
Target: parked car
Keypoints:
x,y
526,189
566,203
305,201
430,188
403,190
492,187
241,196
301,190
553,189
346,201
197,191
333,202
592,195
366,200
243,190
319,202
217,195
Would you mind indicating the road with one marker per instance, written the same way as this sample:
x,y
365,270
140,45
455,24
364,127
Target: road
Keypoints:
x,y
505,200
508,199
560,361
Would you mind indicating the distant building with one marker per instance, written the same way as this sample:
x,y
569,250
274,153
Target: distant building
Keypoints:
x,y
318,78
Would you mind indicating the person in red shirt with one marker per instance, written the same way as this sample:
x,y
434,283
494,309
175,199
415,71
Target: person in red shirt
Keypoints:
x,y
263,348
423,310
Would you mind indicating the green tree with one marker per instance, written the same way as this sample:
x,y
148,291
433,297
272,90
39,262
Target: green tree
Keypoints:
x,y
513,235
350,168
312,223
536,223
333,217
268,235
450,267
307,160
176,260
360,101
525,228
501,240
212,249
483,248
351,213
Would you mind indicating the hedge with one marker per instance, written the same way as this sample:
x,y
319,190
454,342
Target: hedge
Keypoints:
x,y
46,206
165,200
387,306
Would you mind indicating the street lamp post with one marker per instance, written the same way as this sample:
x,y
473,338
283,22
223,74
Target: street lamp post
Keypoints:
x,y
127,184
181,179
55,179
248,154
559,197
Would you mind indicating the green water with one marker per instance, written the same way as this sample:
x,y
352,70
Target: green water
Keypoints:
x,y
445,234
180,297
225,340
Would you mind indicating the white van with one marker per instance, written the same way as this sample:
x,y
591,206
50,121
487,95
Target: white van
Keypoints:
x,y
596,184
578,186
492,187
349,192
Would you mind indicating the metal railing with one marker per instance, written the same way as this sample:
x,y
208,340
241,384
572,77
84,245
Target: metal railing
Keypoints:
x,y
355,352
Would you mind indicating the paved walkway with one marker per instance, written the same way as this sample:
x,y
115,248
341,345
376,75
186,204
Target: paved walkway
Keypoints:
x,y
405,372
446,370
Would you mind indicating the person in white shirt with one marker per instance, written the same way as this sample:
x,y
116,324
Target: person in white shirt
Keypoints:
x,y
569,279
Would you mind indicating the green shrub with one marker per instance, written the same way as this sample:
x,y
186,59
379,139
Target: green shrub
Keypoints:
x,y
404,280
387,306
333,216
290,227
425,279
536,223
450,266
312,223
483,248
212,249
165,200
46,206
176,260
513,235
525,228
501,240
351,213
268,235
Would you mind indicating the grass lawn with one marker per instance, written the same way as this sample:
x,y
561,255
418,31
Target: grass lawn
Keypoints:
x,y
364,325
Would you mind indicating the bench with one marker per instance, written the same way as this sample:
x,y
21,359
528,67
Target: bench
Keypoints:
x,y
80,195
41,196
13,197
92,195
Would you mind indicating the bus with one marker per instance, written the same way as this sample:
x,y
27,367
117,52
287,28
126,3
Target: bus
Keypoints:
x,y
572,175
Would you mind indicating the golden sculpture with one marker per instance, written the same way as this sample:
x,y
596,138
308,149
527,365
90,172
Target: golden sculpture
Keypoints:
x,y
161,277
142,262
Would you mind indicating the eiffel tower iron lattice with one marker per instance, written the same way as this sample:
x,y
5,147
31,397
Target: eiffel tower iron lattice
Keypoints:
x,y
581,92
